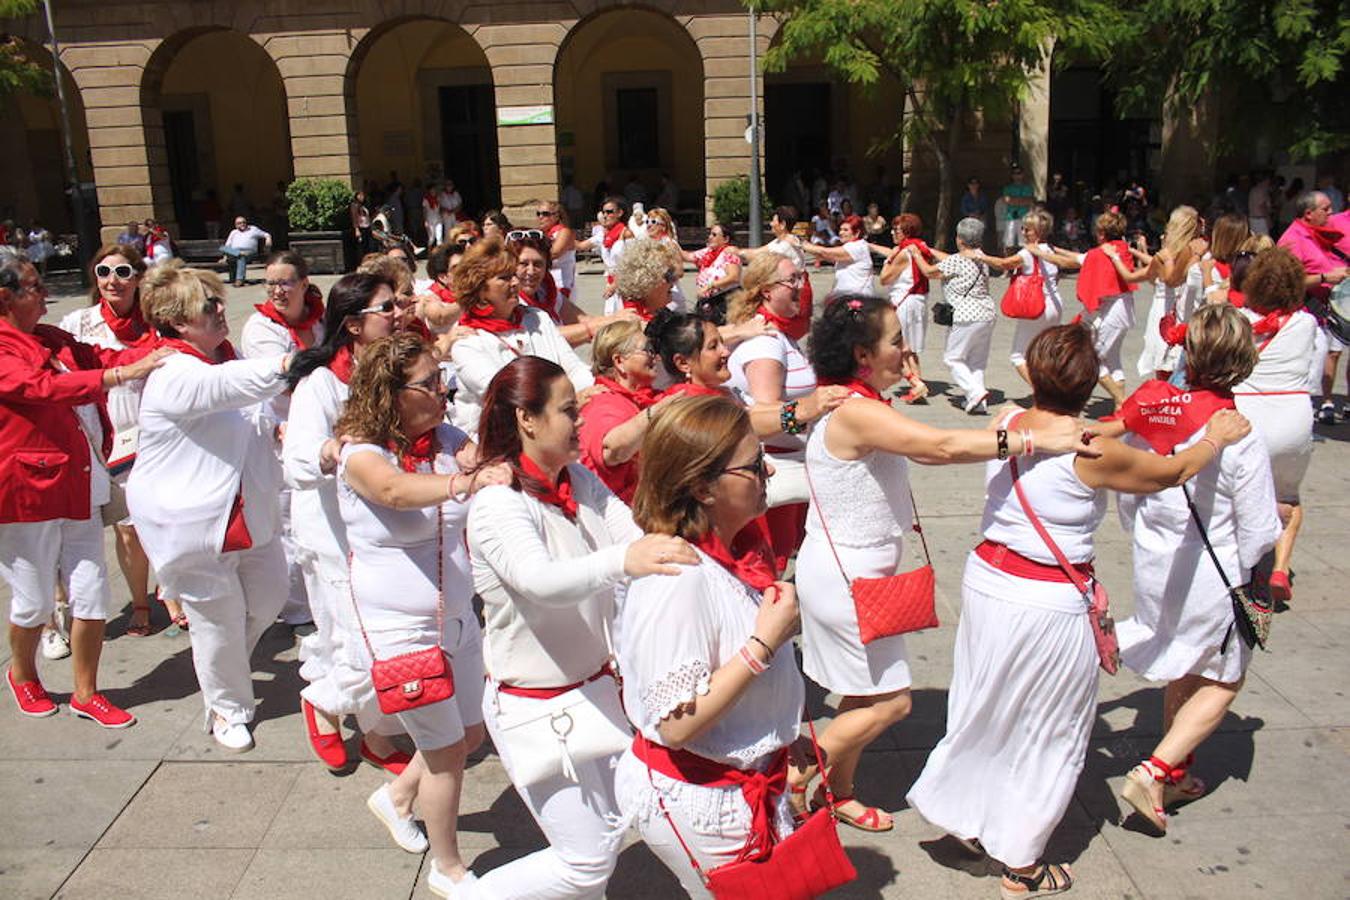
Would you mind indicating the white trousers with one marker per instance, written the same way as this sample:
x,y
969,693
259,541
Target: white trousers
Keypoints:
x,y
583,847
230,599
34,555
324,661
295,610
1111,322
967,356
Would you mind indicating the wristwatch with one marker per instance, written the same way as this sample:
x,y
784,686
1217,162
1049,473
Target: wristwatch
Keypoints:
x,y
1002,435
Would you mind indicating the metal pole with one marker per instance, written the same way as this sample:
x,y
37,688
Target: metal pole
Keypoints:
x,y
83,248
756,217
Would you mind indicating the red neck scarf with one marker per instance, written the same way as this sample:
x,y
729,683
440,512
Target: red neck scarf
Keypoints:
x,y
708,260
641,397
613,234
483,319
919,279
1326,238
443,293
640,308
548,302
750,558
1164,415
1099,279
313,313
129,329
795,328
553,230
862,388
1268,326
431,199
538,486
1225,269
422,449
689,389
224,353
342,363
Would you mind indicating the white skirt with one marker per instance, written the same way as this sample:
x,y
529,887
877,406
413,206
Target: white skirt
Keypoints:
x,y
1285,423
833,654
1023,698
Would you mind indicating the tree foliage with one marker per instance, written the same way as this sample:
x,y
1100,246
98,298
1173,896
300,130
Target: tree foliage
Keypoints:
x,y
19,73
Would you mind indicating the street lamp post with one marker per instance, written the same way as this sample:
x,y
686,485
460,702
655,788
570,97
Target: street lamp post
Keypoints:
x,y
756,218
83,248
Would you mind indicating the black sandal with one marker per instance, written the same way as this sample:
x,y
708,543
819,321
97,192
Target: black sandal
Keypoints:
x,y
1035,885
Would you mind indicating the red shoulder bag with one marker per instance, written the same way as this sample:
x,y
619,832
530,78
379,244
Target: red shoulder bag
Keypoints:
x,y
1025,297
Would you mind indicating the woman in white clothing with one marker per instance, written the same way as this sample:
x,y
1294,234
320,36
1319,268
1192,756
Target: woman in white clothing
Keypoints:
x,y
548,550
719,272
486,286
404,497
1182,631
965,285
1023,694
857,462
203,492
710,678
431,215
1105,287
783,224
610,237
562,241
908,291
1037,227
1177,290
360,310
538,289
1276,396
852,258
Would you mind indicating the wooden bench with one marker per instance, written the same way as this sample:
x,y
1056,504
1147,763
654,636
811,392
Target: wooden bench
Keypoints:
x,y
201,254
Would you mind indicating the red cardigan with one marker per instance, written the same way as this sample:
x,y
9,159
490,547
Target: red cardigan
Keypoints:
x,y
44,454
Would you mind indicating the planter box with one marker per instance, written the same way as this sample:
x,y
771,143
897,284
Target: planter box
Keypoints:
x,y
321,249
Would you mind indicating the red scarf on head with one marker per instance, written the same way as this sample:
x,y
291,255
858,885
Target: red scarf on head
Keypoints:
x,y
920,280
1326,238
750,558
549,302
483,319
860,387
613,234
313,313
423,449
443,293
342,363
641,398
1164,415
640,308
1099,279
795,328
689,389
129,329
224,353
538,486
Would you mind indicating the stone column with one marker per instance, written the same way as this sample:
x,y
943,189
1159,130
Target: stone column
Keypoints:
x,y
313,67
522,58
724,43
1034,128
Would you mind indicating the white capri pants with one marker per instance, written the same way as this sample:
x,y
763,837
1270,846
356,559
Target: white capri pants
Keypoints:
x,y
967,356
583,844
34,555
1028,329
1111,322
230,600
913,314
295,611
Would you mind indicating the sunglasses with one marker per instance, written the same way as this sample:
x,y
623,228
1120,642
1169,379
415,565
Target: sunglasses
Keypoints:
x,y
759,468
121,270
467,241
382,309
544,213
610,211
524,234
437,382
651,222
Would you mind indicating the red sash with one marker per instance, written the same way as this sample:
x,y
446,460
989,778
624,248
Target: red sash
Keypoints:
x,y
640,308
689,389
1099,279
474,318
556,495
641,398
795,328
224,353
342,363
613,234
861,387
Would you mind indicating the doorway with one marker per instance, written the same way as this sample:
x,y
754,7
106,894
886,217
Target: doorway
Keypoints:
x,y
185,179
797,128
469,145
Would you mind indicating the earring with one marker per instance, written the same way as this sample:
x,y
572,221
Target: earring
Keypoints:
x,y
864,371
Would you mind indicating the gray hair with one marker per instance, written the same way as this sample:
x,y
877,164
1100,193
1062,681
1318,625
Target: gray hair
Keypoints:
x,y
13,261
1307,202
970,231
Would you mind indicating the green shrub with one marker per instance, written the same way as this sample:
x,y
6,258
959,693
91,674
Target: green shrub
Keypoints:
x,y
318,204
731,201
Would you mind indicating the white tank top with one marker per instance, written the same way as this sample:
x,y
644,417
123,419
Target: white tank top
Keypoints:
x,y
866,501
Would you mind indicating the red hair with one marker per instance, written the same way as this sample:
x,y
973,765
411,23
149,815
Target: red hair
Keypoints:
x,y
855,222
910,225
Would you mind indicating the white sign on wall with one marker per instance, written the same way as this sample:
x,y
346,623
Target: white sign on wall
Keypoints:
x,y
525,115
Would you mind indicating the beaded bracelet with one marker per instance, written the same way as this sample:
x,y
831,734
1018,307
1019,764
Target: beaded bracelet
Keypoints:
x,y
755,666
787,419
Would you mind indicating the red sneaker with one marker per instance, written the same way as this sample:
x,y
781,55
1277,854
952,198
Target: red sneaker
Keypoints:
x,y
394,763
31,697
329,748
99,709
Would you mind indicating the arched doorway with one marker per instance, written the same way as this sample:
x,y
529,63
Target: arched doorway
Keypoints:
x,y
628,94
216,102
422,96
33,181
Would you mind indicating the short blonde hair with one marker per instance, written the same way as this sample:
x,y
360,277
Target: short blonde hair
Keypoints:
x,y
1042,221
755,278
610,341
173,294
687,446
1219,348
1111,225
643,266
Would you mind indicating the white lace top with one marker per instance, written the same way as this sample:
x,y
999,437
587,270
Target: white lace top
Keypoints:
x,y
866,501
675,631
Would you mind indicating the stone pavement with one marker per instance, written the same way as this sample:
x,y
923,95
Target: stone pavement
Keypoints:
x,y
159,811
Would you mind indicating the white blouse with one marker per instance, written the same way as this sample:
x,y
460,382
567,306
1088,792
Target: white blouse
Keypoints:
x,y
124,400
1284,364
1049,273
316,520
799,378
261,337
547,583
854,276
679,629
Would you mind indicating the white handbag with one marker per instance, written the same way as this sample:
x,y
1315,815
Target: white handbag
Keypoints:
x,y
548,738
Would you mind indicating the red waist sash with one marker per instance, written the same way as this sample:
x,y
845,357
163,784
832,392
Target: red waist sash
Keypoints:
x,y
548,693
1005,559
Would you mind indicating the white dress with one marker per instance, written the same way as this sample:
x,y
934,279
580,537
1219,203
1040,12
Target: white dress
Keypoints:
x,y
867,509
394,585
1182,612
1024,682
677,631
854,276
1054,304
788,485
1275,398
1180,300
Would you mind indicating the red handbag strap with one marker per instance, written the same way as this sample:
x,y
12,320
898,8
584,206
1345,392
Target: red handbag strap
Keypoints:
x,y
1060,558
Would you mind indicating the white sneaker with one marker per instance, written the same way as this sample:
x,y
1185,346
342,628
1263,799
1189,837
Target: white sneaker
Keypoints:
x,y
402,829
442,886
235,738
54,645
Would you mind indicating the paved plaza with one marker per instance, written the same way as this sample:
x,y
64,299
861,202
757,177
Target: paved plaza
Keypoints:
x,y
160,811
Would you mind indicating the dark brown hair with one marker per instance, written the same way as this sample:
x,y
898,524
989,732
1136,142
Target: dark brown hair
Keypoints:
x,y
126,251
524,383
1063,364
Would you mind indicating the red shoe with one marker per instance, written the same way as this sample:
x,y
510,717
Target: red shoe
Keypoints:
x,y
1280,590
329,748
394,763
31,697
100,710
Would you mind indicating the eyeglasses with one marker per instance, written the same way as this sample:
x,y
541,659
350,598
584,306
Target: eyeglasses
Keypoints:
x,y
524,234
647,349
121,270
795,281
215,304
285,285
610,211
544,213
437,382
672,276
759,468
382,309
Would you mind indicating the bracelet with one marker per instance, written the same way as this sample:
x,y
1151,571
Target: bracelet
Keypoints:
x,y
1212,445
1002,437
450,489
117,376
648,412
1028,444
755,666
787,419
758,640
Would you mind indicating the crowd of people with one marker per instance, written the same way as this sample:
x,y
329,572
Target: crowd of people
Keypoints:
x,y
588,561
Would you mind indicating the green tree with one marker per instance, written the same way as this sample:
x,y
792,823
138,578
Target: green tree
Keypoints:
x,y
18,72
951,57
1273,68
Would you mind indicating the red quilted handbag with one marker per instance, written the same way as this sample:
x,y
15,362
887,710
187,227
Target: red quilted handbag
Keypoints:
x,y
894,604
1025,297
